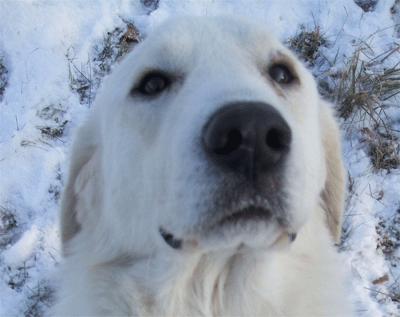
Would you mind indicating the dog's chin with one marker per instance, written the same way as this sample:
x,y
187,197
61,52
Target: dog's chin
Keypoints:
x,y
252,227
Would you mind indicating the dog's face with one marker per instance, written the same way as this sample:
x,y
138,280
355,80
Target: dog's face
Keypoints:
x,y
208,135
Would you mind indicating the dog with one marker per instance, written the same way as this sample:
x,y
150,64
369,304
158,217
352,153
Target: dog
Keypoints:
x,y
207,181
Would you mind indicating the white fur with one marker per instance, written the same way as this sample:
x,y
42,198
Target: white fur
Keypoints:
x,y
136,166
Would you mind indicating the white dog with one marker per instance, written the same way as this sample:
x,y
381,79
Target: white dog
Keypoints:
x,y
207,181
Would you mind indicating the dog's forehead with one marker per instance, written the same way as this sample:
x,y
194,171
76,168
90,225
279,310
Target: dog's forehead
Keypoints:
x,y
191,36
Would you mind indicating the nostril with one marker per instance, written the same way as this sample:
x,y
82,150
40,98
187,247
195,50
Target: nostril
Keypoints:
x,y
229,142
277,139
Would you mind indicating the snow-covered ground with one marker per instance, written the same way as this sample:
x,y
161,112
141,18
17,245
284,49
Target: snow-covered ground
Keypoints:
x,y
53,55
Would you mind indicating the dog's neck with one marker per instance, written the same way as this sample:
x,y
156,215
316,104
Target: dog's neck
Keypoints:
x,y
210,284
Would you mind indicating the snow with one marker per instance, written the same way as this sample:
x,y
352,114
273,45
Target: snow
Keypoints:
x,y
23,249
36,38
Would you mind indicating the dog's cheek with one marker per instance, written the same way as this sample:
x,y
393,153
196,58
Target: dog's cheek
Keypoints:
x,y
296,187
303,178
128,200
180,167
87,191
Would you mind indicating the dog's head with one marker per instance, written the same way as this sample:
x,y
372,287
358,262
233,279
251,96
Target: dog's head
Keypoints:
x,y
210,134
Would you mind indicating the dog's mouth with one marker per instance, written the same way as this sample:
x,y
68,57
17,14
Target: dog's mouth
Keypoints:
x,y
242,212
249,213
245,214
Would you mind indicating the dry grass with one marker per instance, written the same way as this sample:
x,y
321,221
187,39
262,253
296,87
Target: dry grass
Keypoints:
x,y
80,78
364,92
85,77
17,277
364,86
40,300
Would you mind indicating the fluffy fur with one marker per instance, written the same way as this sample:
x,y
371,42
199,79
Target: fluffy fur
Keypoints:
x,y
137,165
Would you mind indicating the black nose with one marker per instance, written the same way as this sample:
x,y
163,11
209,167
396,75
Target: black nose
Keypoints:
x,y
247,138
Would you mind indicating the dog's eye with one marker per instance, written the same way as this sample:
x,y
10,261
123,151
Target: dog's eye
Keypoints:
x,y
281,74
152,84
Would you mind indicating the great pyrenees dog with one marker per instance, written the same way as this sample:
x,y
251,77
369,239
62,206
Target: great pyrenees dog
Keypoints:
x,y
207,181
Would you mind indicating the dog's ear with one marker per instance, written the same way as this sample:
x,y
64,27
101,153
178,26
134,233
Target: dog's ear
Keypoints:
x,y
333,194
82,187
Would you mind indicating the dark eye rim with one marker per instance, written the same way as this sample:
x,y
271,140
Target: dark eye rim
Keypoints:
x,y
139,88
293,79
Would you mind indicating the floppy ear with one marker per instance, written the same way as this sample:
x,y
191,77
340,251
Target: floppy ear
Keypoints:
x,y
333,194
81,187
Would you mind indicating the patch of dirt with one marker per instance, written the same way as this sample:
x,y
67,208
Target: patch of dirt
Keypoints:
x,y
395,11
307,42
54,122
389,235
114,46
150,5
55,189
8,227
367,5
3,77
383,149
52,112
53,132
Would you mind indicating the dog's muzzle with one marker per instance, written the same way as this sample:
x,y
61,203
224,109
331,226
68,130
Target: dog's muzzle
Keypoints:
x,y
248,141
